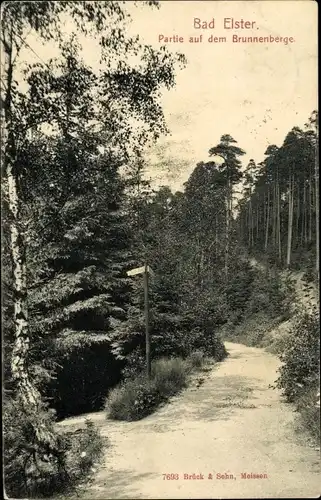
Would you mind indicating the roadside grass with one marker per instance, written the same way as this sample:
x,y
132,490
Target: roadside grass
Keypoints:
x,y
308,405
85,451
136,398
196,359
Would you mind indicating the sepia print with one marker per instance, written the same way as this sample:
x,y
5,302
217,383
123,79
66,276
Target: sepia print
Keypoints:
x,y
160,249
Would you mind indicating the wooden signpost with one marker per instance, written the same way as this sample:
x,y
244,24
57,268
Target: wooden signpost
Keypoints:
x,y
137,270
145,270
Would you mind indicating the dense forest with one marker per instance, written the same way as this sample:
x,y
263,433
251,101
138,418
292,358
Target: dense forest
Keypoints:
x,y
279,214
78,213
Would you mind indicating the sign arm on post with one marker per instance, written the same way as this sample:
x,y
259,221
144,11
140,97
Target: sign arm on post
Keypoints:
x,y
145,270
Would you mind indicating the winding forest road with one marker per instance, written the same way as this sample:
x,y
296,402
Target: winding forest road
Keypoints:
x,y
233,423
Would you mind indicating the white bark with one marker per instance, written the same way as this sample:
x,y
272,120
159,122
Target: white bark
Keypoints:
x,y
28,393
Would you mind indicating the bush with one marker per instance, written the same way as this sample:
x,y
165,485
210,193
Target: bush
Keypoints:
x,y
29,470
271,293
196,359
301,356
132,399
169,375
137,398
27,467
239,289
309,408
85,450
299,375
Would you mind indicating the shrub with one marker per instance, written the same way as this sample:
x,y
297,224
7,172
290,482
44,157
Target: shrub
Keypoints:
x,y
271,293
28,469
301,356
132,399
309,409
85,450
196,359
136,398
169,375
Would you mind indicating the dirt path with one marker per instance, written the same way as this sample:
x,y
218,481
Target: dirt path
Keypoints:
x,y
232,424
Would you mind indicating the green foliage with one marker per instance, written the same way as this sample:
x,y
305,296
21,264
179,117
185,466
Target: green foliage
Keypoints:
x,y
267,301
74,128
240,288
29,468
86,447
178,338
136,398
301,357
252,331
169,375
308,404
176,328
26,467
270,292
196,359
135,363
278,216
80,241
132,400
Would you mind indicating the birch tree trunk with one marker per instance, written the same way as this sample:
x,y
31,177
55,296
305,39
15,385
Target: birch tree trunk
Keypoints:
x,y
26,391
264,215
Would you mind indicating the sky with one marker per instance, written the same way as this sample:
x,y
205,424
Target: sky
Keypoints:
x,y
254,92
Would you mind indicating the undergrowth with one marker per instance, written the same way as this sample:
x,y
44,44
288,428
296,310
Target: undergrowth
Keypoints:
x,y
299,375
31,472
253,331
268,305
137,397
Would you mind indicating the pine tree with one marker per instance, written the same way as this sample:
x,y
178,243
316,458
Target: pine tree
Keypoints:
x,y
231,169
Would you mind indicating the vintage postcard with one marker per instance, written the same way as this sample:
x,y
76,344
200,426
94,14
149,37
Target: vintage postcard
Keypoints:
x,y
160,249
